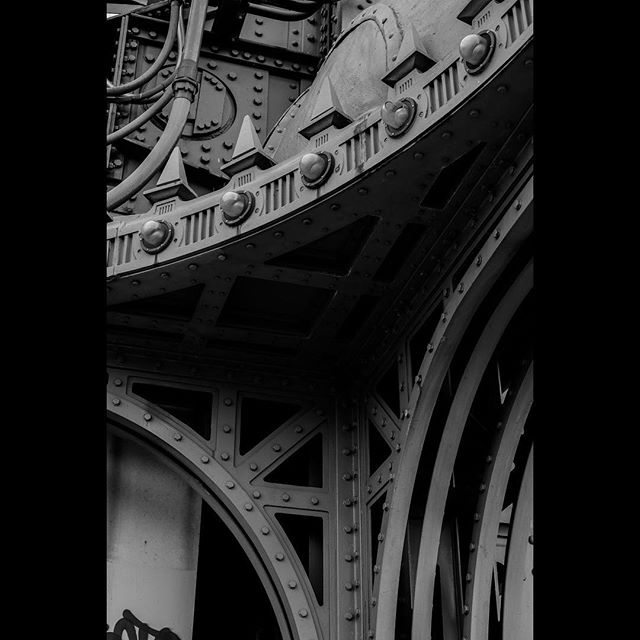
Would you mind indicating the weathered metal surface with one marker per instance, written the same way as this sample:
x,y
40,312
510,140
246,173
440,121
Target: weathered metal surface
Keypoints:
x,y
440,479
482,562
354,300
455,318
152,543
518,598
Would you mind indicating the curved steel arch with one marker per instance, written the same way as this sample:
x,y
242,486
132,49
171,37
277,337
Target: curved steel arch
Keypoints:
x,y
481,565
193,463
514,227
448,448
518,587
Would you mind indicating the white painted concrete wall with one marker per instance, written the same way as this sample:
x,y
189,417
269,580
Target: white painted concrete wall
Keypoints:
x,y
152,540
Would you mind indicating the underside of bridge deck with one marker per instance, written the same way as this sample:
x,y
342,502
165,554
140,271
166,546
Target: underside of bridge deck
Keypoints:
x,y
320,320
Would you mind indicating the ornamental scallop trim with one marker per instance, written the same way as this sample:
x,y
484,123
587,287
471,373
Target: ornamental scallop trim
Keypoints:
x,y
517,19
199,226
406,84
111,245
362,147
245,179
166,207
482,19
445,86
320,140
280,192
120,250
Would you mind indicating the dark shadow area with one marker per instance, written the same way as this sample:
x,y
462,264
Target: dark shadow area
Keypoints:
x,y
228,588
305,534
302,468
260,417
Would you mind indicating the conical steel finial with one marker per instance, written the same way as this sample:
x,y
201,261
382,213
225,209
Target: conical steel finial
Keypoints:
x,y
411,55
327,111
248,151
172,181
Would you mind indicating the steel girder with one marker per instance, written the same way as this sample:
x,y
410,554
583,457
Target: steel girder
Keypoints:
x,y
508,234
370,536
357,601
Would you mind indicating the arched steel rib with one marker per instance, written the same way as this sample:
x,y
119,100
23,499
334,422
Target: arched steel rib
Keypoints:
x,y
483,559
517,620
448,448
515,227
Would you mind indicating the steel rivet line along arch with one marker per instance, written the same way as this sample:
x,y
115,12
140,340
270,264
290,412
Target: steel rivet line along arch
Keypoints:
x,y
515,226
184,96
186,457
448,449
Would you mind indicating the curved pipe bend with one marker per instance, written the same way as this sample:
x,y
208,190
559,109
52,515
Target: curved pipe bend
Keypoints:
x,y
177,118
161,59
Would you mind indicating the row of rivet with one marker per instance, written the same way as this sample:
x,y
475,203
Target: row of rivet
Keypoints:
x,y
248,506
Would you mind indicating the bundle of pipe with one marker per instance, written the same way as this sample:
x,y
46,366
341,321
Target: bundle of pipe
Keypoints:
x,y
183,89
182,94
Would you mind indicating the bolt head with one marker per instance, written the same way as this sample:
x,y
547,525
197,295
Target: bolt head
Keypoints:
x,y
474,49
312,165
155,235
395,114
233,204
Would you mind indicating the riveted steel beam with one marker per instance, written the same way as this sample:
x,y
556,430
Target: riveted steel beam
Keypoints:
x,y
518,586
510,232
490,504
447,450
247,512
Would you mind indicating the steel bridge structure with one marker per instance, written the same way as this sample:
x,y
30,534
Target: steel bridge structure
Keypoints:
x,y
319,266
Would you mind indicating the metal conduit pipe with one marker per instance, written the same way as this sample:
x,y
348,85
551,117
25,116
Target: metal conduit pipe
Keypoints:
x,y
141,119
184,89
146,96
161,59
296,5
280,14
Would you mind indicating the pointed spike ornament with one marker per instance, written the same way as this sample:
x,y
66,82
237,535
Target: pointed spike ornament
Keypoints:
x,y
172,181
327,111
248,140
411,55
248,151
